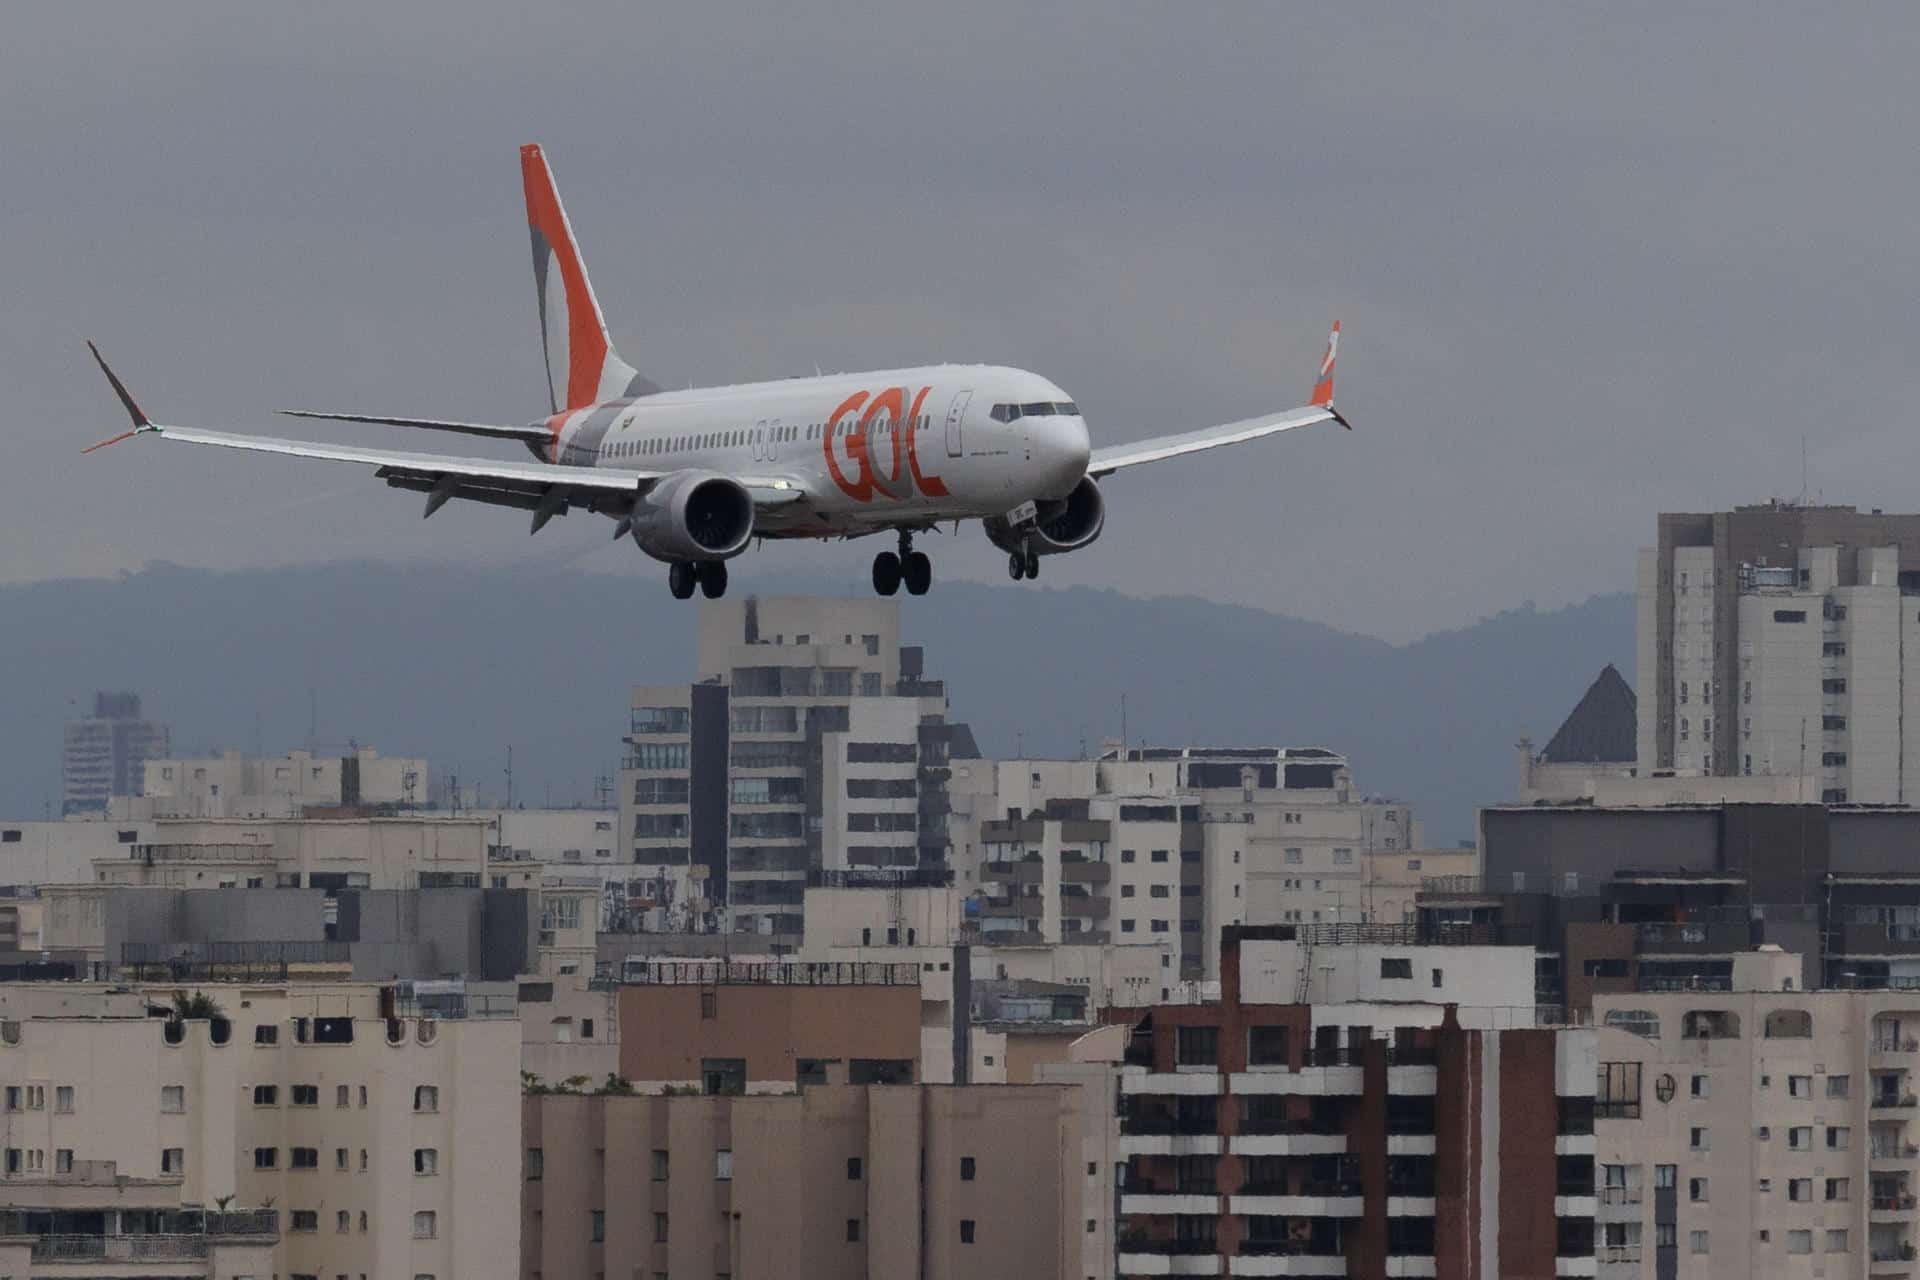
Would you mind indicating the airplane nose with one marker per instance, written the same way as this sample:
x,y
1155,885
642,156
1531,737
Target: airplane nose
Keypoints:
x,y
1063,453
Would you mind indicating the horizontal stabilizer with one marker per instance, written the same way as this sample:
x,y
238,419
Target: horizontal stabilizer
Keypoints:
x,y
535,432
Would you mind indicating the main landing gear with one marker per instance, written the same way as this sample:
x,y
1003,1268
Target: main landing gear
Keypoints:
x,y
890,569
1023,564
709,575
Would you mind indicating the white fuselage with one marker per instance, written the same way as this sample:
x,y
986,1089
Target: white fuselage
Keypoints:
x,y
865,450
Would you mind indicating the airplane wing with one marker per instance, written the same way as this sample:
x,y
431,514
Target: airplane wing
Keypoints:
x,y
535,433
541,487
1105,462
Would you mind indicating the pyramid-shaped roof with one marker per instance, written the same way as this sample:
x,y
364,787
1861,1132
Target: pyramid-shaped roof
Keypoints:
x,y
1601,728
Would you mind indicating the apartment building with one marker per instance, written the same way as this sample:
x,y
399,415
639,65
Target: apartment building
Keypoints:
x,y
811,741
233,785
105,753
1759,1131
830,1181
1625,899
334,1125
292,853
1195,840
232,934
1266,1138
770,1027
1770,641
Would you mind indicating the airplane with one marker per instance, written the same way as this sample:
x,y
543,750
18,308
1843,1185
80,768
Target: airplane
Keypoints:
x,y
694,477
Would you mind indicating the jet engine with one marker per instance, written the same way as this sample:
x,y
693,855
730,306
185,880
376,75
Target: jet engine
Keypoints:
x,y
1062,524
693,516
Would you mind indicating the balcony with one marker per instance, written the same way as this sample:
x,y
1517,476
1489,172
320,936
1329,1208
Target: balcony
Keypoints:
x,y
1025,872
1143,1256
1085,906
1287,1258
1889,1257
1312,1081
1619,1253
1882,1100
1900,1152
1085,872
1894,1044
1692,939
120,1248
1619,1204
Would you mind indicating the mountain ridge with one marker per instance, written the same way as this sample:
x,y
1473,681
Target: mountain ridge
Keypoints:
x,y
455,662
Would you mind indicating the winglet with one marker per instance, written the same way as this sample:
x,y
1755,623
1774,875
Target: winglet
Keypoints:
x,y
140,420
1323,389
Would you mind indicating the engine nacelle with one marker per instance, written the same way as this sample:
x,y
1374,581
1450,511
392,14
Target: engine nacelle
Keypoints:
x,y
1063,524
696,515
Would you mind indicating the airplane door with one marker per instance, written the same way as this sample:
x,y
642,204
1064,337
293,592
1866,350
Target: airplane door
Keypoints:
x,y
955,414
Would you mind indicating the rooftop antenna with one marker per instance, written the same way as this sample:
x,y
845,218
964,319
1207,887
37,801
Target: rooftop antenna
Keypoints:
x,y
509,775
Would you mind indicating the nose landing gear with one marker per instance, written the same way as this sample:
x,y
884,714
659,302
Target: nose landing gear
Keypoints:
x,y
908,566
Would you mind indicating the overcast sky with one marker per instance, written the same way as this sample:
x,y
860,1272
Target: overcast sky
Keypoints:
x,y
1594,262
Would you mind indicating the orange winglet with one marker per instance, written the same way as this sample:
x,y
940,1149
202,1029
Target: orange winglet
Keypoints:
x,y
1323,389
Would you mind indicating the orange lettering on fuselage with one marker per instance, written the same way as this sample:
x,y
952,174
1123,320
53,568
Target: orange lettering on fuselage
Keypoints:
x,y
865,482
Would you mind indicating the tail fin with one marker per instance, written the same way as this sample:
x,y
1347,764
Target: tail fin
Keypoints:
x,y
582,366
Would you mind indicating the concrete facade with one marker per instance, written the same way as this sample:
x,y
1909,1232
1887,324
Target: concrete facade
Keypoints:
x,y
1771,642
233,785
384,1145
1757,1132
830,1182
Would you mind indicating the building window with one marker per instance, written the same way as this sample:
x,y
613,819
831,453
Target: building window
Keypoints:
x,y
426,1161
597,1225
266,1095
723,1165
426,1225
1799,1242
1291,857
303,1157
1697,1243
1618,1096
173,1099
659,1228
966,1231
1839,1188
1267,1046
1837,1137
1126,855
340,1159
306,1095
63,1160
1702,1087
266,1034
426,1097
1836,1241
1800,1138
1343,857
659,1166
853,1168
266,1157
1697,1190
536,1163
308,1220
173,1160
1396,967
966,1168
63,1099
1698,1139
1197,1046
853,1230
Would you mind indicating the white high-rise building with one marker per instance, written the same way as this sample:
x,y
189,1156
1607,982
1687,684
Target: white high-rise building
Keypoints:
x,y
105,753
1771,643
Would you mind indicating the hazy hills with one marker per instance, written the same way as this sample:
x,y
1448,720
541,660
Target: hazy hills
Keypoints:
x,y
456,663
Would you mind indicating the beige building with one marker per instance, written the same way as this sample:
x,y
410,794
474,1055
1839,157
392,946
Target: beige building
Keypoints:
x,y
822,1184
383,1142
1193,841
232,785
312,853
1761,1131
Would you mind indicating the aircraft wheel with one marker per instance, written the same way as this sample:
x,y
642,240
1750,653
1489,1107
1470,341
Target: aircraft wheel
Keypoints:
x,y
1016,566
713,579
886,573
1033,564
681,579
917,571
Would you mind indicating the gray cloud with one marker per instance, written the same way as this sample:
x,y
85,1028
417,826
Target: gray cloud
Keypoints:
x,y
1593,262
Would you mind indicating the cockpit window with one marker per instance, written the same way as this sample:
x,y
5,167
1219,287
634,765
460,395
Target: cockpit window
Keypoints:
x,y
1038,409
